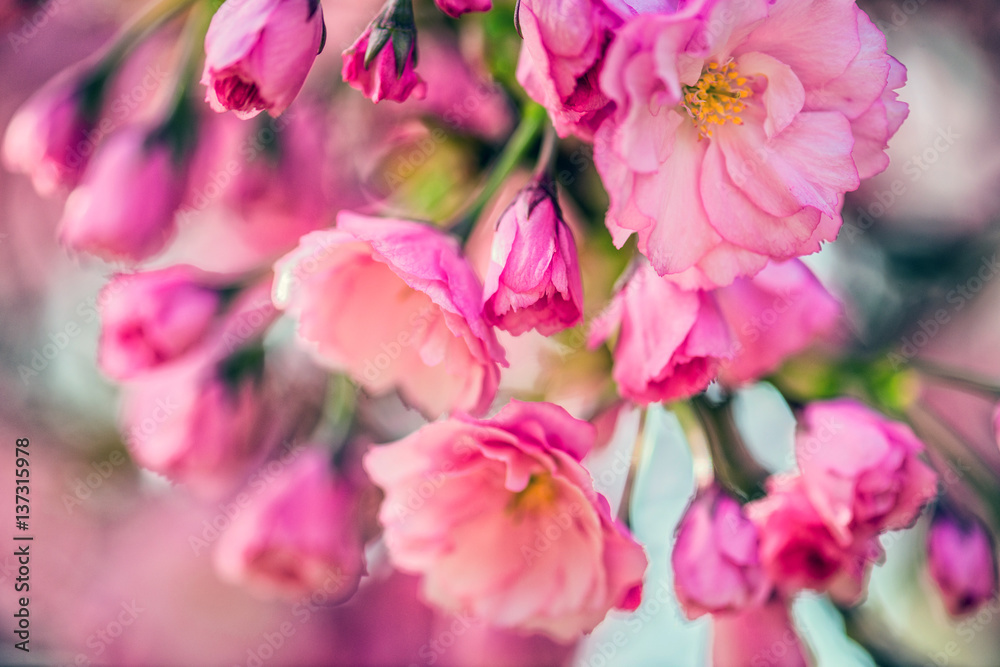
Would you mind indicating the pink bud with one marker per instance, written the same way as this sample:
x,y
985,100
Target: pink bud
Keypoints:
x,y
47,137
150,319
715,558
382,62
758,636
962,562
124,208
259,52
458,7
533,281
298,536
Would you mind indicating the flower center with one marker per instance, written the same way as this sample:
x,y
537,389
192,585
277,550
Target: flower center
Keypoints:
x,y
717,97
540,494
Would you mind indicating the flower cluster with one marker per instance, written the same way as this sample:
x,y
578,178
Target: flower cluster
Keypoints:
x,y
391,338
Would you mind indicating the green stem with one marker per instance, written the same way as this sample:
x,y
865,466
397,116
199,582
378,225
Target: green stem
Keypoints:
x,y
155,16
733,465
524,136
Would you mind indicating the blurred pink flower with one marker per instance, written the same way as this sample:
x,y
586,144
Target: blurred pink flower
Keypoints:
x,y
124,207
456,8
47,137
758,636
199,422
298,536
773,315
798,549
258,54
961,559
502,521
533,281
715,558
394,304
152,318
732,142
667,351
388,72
860,470
562,57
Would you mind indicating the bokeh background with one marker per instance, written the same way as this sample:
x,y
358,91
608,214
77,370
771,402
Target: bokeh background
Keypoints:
x,y
114,576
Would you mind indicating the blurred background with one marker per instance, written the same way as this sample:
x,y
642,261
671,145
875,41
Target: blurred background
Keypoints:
x,y
115,575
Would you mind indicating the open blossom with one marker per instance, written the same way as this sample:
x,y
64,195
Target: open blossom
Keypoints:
x,y
861,470
670,339
394,304
258,53
512,530
799,550
773,315
739,126
562,57
961,559
298,536
382,62
124,207
715,558
47,137
152,318
533,281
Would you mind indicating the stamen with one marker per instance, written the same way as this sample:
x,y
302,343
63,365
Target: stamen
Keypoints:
x,y
717,98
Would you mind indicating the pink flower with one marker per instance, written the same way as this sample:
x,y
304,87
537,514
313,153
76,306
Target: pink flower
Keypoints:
x,y
124,208
773,315
533,281
198,422
757,637
47,137
502,521
258,53
458,7
298,536
665,352
715,560
961,560
799,551
395,305
860,470
738,127
562,57
382,62
152,318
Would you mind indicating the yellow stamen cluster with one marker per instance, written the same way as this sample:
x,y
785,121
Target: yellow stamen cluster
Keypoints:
x,y
540,494
717,97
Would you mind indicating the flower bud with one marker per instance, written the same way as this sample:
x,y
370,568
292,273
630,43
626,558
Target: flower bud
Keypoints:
x,y
124,208
150,319
533,281
298,536
961,559
382,62
258,53
715,558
